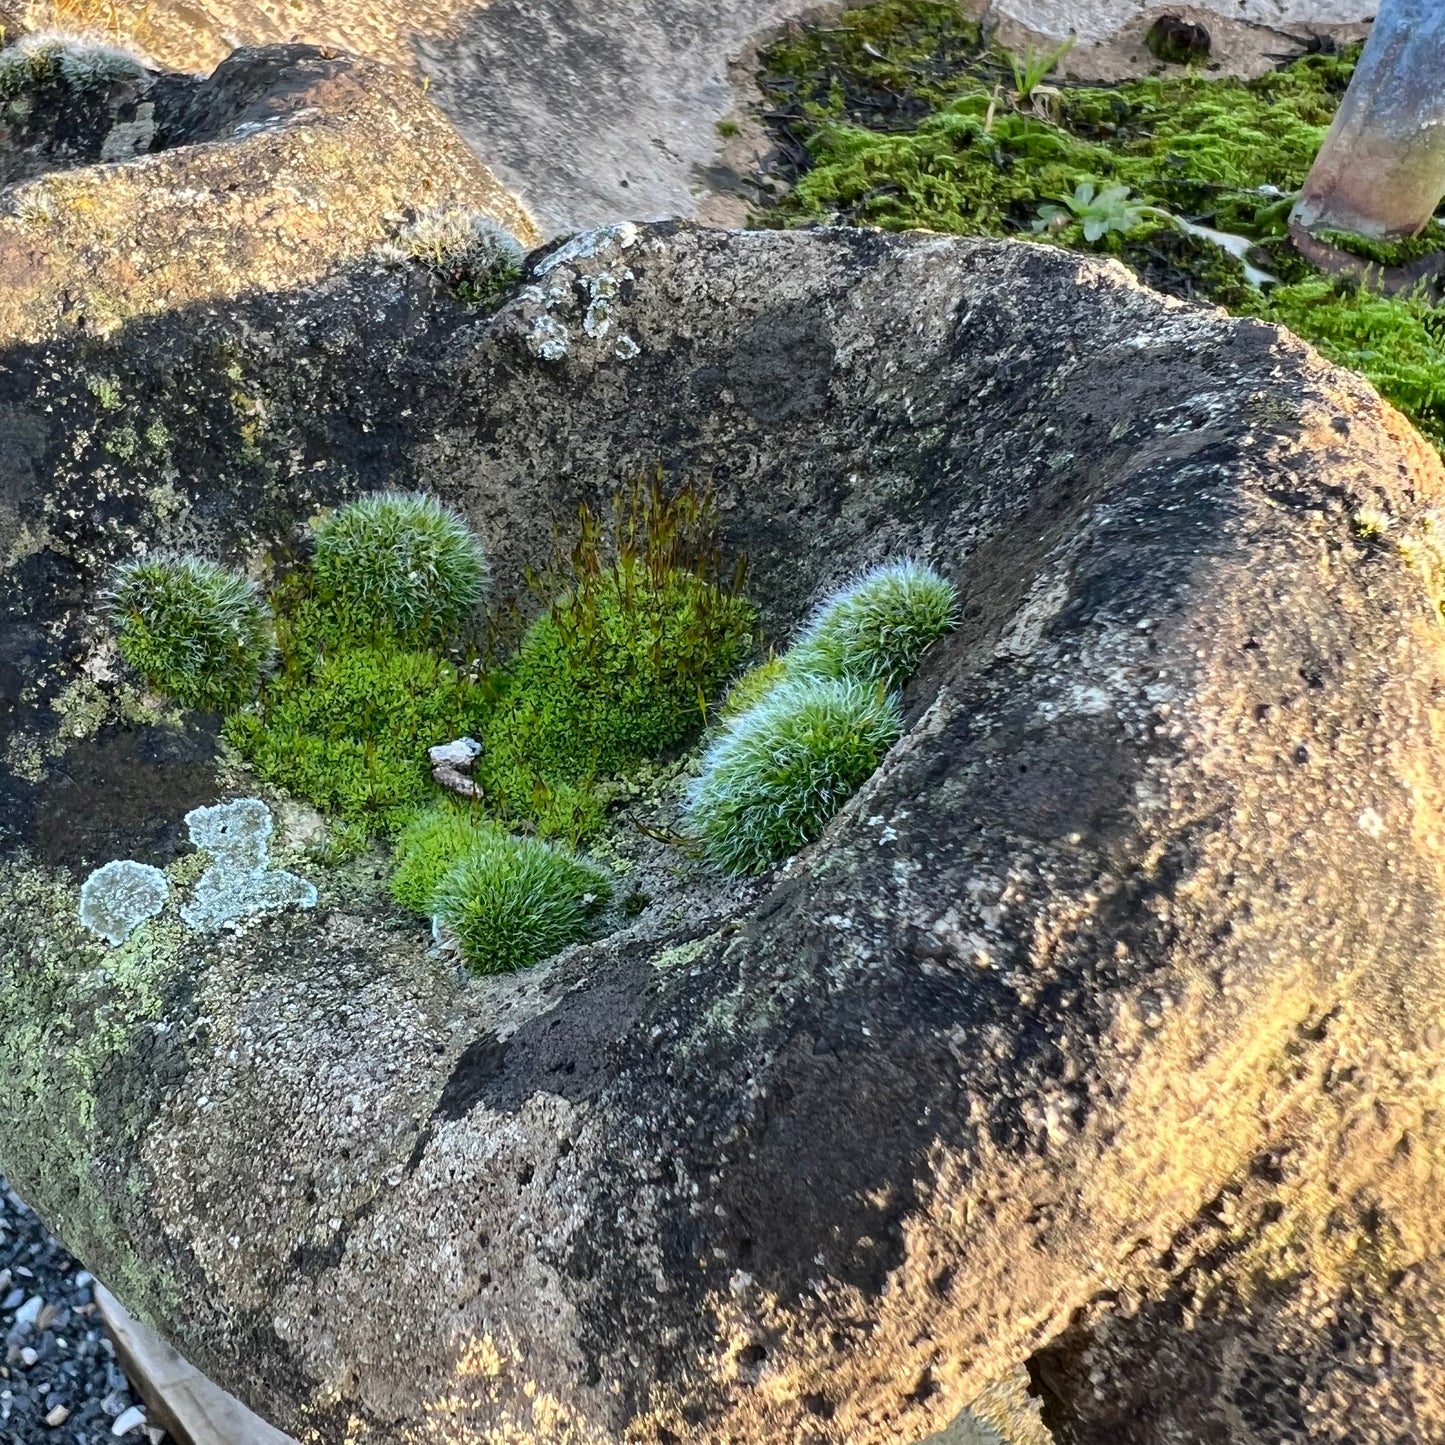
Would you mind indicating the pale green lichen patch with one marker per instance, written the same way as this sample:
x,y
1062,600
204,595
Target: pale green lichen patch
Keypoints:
x,y
240,880
90,702
683,953
117,898
71,1015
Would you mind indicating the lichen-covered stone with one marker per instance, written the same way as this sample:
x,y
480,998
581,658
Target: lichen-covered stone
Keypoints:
x,y
117,898
239,880
1131,947
200,221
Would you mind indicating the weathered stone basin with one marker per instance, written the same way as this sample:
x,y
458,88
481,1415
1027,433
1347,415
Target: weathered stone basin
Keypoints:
x,y
1106,1015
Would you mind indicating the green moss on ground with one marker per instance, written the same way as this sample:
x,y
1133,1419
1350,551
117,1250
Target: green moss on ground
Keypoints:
x,y
898,116
640,636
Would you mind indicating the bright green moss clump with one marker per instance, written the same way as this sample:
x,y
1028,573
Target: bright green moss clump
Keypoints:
x,y
901,118
512,902
399,565
429,847
364,687
192,629
348,728
620,668
775,775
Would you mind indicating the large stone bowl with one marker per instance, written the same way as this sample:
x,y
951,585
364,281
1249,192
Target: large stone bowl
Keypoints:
x,y
1100,1031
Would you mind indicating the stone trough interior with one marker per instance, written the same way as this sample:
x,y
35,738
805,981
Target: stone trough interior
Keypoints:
x,y
823,1155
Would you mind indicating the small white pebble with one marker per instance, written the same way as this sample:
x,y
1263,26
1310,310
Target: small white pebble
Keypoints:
x,y
57,1417
28,1357
133,1419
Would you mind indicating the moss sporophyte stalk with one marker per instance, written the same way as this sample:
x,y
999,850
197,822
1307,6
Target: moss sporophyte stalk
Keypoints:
x,y
898,115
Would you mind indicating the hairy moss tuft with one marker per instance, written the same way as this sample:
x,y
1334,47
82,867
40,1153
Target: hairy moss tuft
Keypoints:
x,y
511,902
399,565
470,253
192,629
429,847
78,62
876,628
774,777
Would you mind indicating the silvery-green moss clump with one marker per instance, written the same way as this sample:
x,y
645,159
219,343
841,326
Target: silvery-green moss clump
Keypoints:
x,y
399,565
192,629
511,902
778,772
80,61
875,629
470,252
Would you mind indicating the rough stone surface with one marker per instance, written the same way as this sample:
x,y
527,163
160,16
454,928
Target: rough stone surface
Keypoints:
x,y
58,123
89,248
1098,20
594,111
1108,1009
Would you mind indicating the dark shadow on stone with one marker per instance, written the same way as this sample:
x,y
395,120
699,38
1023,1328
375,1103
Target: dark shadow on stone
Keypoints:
x,y
123,794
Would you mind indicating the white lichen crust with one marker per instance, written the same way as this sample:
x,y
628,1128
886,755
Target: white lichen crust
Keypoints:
x,y
117,898
240,881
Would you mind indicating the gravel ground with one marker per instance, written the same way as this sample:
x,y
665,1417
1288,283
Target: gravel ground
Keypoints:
x,y
59,1383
